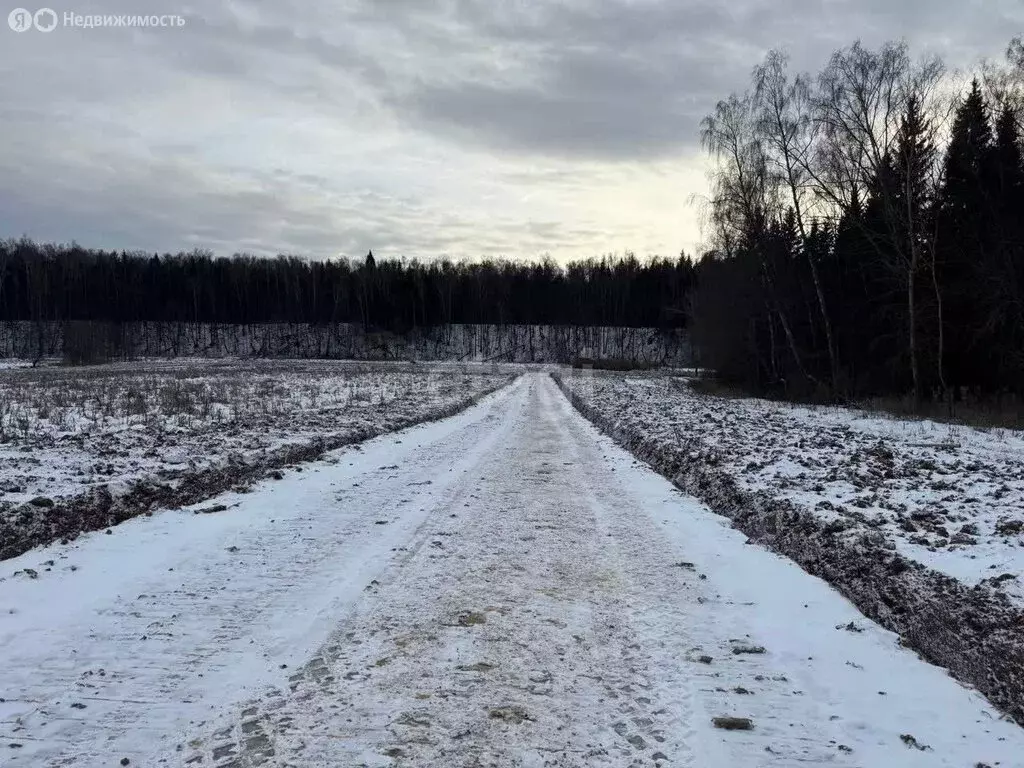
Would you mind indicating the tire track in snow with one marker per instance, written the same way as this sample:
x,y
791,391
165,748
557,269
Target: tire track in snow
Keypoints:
x,y
546,628
177,614
544,601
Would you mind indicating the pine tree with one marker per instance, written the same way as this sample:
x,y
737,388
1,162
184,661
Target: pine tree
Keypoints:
x,y
907,211
969,144
965,231
1009,162
855,289
911,184
1007,313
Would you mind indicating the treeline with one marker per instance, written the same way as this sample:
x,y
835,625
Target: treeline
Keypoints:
x,y
868,229
48,283
89,342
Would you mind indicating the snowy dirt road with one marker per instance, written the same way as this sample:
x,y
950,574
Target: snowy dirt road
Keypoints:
x,y
502,588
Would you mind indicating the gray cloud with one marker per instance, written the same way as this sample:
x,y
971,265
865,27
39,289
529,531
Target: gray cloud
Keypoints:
x,y
416,127
625,80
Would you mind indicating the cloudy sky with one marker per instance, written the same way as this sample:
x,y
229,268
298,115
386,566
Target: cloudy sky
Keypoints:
x,y
418,128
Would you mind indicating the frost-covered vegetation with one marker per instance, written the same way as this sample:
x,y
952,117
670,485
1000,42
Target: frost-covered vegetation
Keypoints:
x,y
917,524
89,436
949,496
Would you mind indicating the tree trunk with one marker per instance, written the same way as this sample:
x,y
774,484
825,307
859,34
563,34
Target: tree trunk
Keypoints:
x,y
833,357
787,330
940,363
912,309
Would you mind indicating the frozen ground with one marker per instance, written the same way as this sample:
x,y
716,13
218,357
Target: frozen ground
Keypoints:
x,y
948,496
505,587
65,430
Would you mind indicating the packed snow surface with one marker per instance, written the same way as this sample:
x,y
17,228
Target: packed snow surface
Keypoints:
x,y
505,587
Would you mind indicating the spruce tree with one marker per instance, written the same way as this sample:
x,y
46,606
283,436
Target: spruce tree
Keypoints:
x,y
1009,163
855,290
964,253
908,209
1007,313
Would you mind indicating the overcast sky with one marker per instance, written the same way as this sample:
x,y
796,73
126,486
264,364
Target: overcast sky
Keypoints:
x,y
465,128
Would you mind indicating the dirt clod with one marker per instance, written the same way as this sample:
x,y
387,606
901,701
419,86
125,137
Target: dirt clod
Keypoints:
x,y
470,619
511,714
212,509
851,627
733,723
910,741
747,649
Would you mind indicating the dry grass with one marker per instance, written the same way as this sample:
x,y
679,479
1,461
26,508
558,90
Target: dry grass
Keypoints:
x,y
716,388
613,364
42,403
994,412
1002,412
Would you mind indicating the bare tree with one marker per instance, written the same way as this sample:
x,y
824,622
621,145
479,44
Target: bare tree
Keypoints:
x,y
1004,82
784,124
860,100
743,195
740,186
863,101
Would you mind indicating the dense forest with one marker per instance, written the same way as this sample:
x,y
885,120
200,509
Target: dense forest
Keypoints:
x,y
866,237
48,283
867,229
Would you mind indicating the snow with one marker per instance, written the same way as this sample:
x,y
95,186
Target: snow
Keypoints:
x,y
65,430
948,496
73,435
162,618
502,587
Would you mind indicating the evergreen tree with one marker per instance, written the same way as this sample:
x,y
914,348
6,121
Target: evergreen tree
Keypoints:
x,y
1006,313
911,180
1009,163
899,227
964,255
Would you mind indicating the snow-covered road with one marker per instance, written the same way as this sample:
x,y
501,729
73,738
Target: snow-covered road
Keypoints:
x,y
502,588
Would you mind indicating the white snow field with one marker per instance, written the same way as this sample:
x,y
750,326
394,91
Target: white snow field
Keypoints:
x,y
502,588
